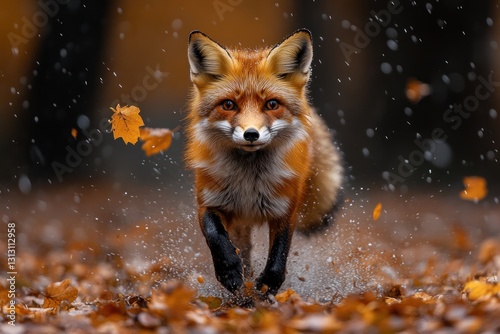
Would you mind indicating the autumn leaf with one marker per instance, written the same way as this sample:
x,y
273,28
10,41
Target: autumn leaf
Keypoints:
x,y
477,289
489,249
155,140
125,123
377,211
416,90
172,299
212,302
58,292
475,188
284,296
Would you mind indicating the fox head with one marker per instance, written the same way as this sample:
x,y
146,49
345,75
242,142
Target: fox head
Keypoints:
x,y
249,99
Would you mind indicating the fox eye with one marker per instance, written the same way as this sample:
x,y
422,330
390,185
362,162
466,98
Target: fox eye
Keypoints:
x,y
272,105
228,105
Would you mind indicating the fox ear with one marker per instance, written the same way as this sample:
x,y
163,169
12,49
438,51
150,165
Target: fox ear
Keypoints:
x,y
206,56
293,55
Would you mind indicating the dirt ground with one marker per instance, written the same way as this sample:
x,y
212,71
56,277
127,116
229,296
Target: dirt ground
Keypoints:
x,y
138,262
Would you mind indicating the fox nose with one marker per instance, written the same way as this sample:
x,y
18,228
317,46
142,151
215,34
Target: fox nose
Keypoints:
x,y
251,135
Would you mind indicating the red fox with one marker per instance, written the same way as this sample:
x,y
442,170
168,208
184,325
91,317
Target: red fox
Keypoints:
x,y
259,152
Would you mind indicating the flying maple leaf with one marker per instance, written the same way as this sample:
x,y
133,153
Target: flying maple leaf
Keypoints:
x,y
475,188
125,123
156,140
58,292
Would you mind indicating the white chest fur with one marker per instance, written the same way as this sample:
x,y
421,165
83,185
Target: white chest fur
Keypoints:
x,y
247,182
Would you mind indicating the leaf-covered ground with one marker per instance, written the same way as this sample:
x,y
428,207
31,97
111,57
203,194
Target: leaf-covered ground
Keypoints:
x,y
102,259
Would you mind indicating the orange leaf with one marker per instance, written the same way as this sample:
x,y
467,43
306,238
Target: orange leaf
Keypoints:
x,y
475,188
172,298
284,296
155,140
480,289
213,303
416,90
125,123
56,293
377,211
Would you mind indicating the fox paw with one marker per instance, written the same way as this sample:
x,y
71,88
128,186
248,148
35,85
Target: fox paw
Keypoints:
x,y
230,275
270,281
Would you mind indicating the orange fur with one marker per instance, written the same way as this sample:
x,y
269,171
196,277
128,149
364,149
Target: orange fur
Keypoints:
x,y
265,156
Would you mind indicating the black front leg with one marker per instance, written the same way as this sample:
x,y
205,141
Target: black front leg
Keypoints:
x,y
227,264
274,273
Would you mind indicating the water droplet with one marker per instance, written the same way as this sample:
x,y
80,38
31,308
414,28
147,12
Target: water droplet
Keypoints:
x,y
428,6
177,24
391,33
83,122
24,184
366,152
386,68
392,44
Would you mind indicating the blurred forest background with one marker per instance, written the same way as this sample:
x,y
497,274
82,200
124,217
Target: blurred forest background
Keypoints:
x,y
385,74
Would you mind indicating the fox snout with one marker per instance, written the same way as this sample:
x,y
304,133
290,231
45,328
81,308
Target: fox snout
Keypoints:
x,y
251,138
251,135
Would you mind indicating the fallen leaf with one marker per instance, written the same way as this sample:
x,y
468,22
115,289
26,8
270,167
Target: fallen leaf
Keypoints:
x,y
148,321
58,292
390,300
155,140
477,289
475,188
424,296
172,299
284,296
377,211
321,323
212,302
488,250
125,123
